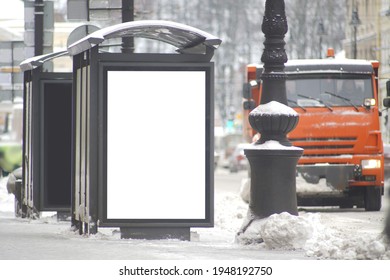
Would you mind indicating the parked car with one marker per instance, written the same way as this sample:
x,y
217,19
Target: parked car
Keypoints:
x,y
238,160
11,121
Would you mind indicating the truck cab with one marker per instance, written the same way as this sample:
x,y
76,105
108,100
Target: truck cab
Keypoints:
x,y
339,129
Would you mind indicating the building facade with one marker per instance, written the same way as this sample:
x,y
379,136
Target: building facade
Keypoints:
x,y
362,26
367,36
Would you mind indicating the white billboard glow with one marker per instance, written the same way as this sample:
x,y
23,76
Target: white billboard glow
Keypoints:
x,y
156,144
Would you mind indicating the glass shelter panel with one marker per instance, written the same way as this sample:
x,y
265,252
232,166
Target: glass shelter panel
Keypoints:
x,y
57,143
77,145
81,187
28,161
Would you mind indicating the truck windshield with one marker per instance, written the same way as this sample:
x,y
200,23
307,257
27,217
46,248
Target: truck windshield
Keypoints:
x,y
325,91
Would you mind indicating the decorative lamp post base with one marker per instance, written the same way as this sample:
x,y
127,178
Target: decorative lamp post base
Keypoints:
x,y
273,162
273,184
273,181
273,159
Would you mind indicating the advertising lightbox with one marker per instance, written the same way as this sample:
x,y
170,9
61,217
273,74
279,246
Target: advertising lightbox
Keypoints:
x,y
143,153
158,145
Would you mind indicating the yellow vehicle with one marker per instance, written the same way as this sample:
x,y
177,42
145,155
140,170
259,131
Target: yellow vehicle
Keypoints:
x,y
11,115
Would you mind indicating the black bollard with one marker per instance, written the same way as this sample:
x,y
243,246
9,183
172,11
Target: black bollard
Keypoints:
x,y
273,161
273,185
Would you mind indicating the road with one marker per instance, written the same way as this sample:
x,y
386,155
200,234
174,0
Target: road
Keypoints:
x,y
47,238
353,219
226,181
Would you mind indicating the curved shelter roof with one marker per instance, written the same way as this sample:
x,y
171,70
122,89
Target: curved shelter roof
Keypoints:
x,y
37,61
187,39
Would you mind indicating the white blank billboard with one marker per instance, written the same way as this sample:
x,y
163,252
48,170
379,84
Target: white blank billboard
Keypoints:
x,y
156,144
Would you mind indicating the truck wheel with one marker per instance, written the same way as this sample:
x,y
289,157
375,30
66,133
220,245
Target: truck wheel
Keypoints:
x,y
372,199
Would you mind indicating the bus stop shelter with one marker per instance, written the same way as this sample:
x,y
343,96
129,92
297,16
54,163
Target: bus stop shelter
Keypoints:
x,y
143,132
46,183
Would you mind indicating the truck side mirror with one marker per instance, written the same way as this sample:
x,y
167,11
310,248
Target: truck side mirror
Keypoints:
x,y
247,91
388,88
249,105
386,102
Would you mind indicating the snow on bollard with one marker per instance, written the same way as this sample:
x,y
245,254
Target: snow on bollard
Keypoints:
x,y
273,121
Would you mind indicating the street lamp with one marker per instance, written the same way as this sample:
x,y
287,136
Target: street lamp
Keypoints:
x,y
272,158
38,27
320,32
127,15
355,22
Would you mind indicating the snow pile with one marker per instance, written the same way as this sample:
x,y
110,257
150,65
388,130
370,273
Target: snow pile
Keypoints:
x,y
278,232
307,232
339,246
303,186
245,189
6,199
337,241
229,212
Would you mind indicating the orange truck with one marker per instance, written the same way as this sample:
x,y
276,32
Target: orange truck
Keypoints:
x,y
339,129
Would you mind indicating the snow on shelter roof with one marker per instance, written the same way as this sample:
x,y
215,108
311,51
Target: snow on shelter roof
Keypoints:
x,y
326,65
37,61
339,65
186,38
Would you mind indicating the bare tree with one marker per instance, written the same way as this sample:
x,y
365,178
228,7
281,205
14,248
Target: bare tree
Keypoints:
x,y
238,24
304,17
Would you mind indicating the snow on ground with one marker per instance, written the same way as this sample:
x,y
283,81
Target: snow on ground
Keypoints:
x,y
320,234
47,239
6,200
320,238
